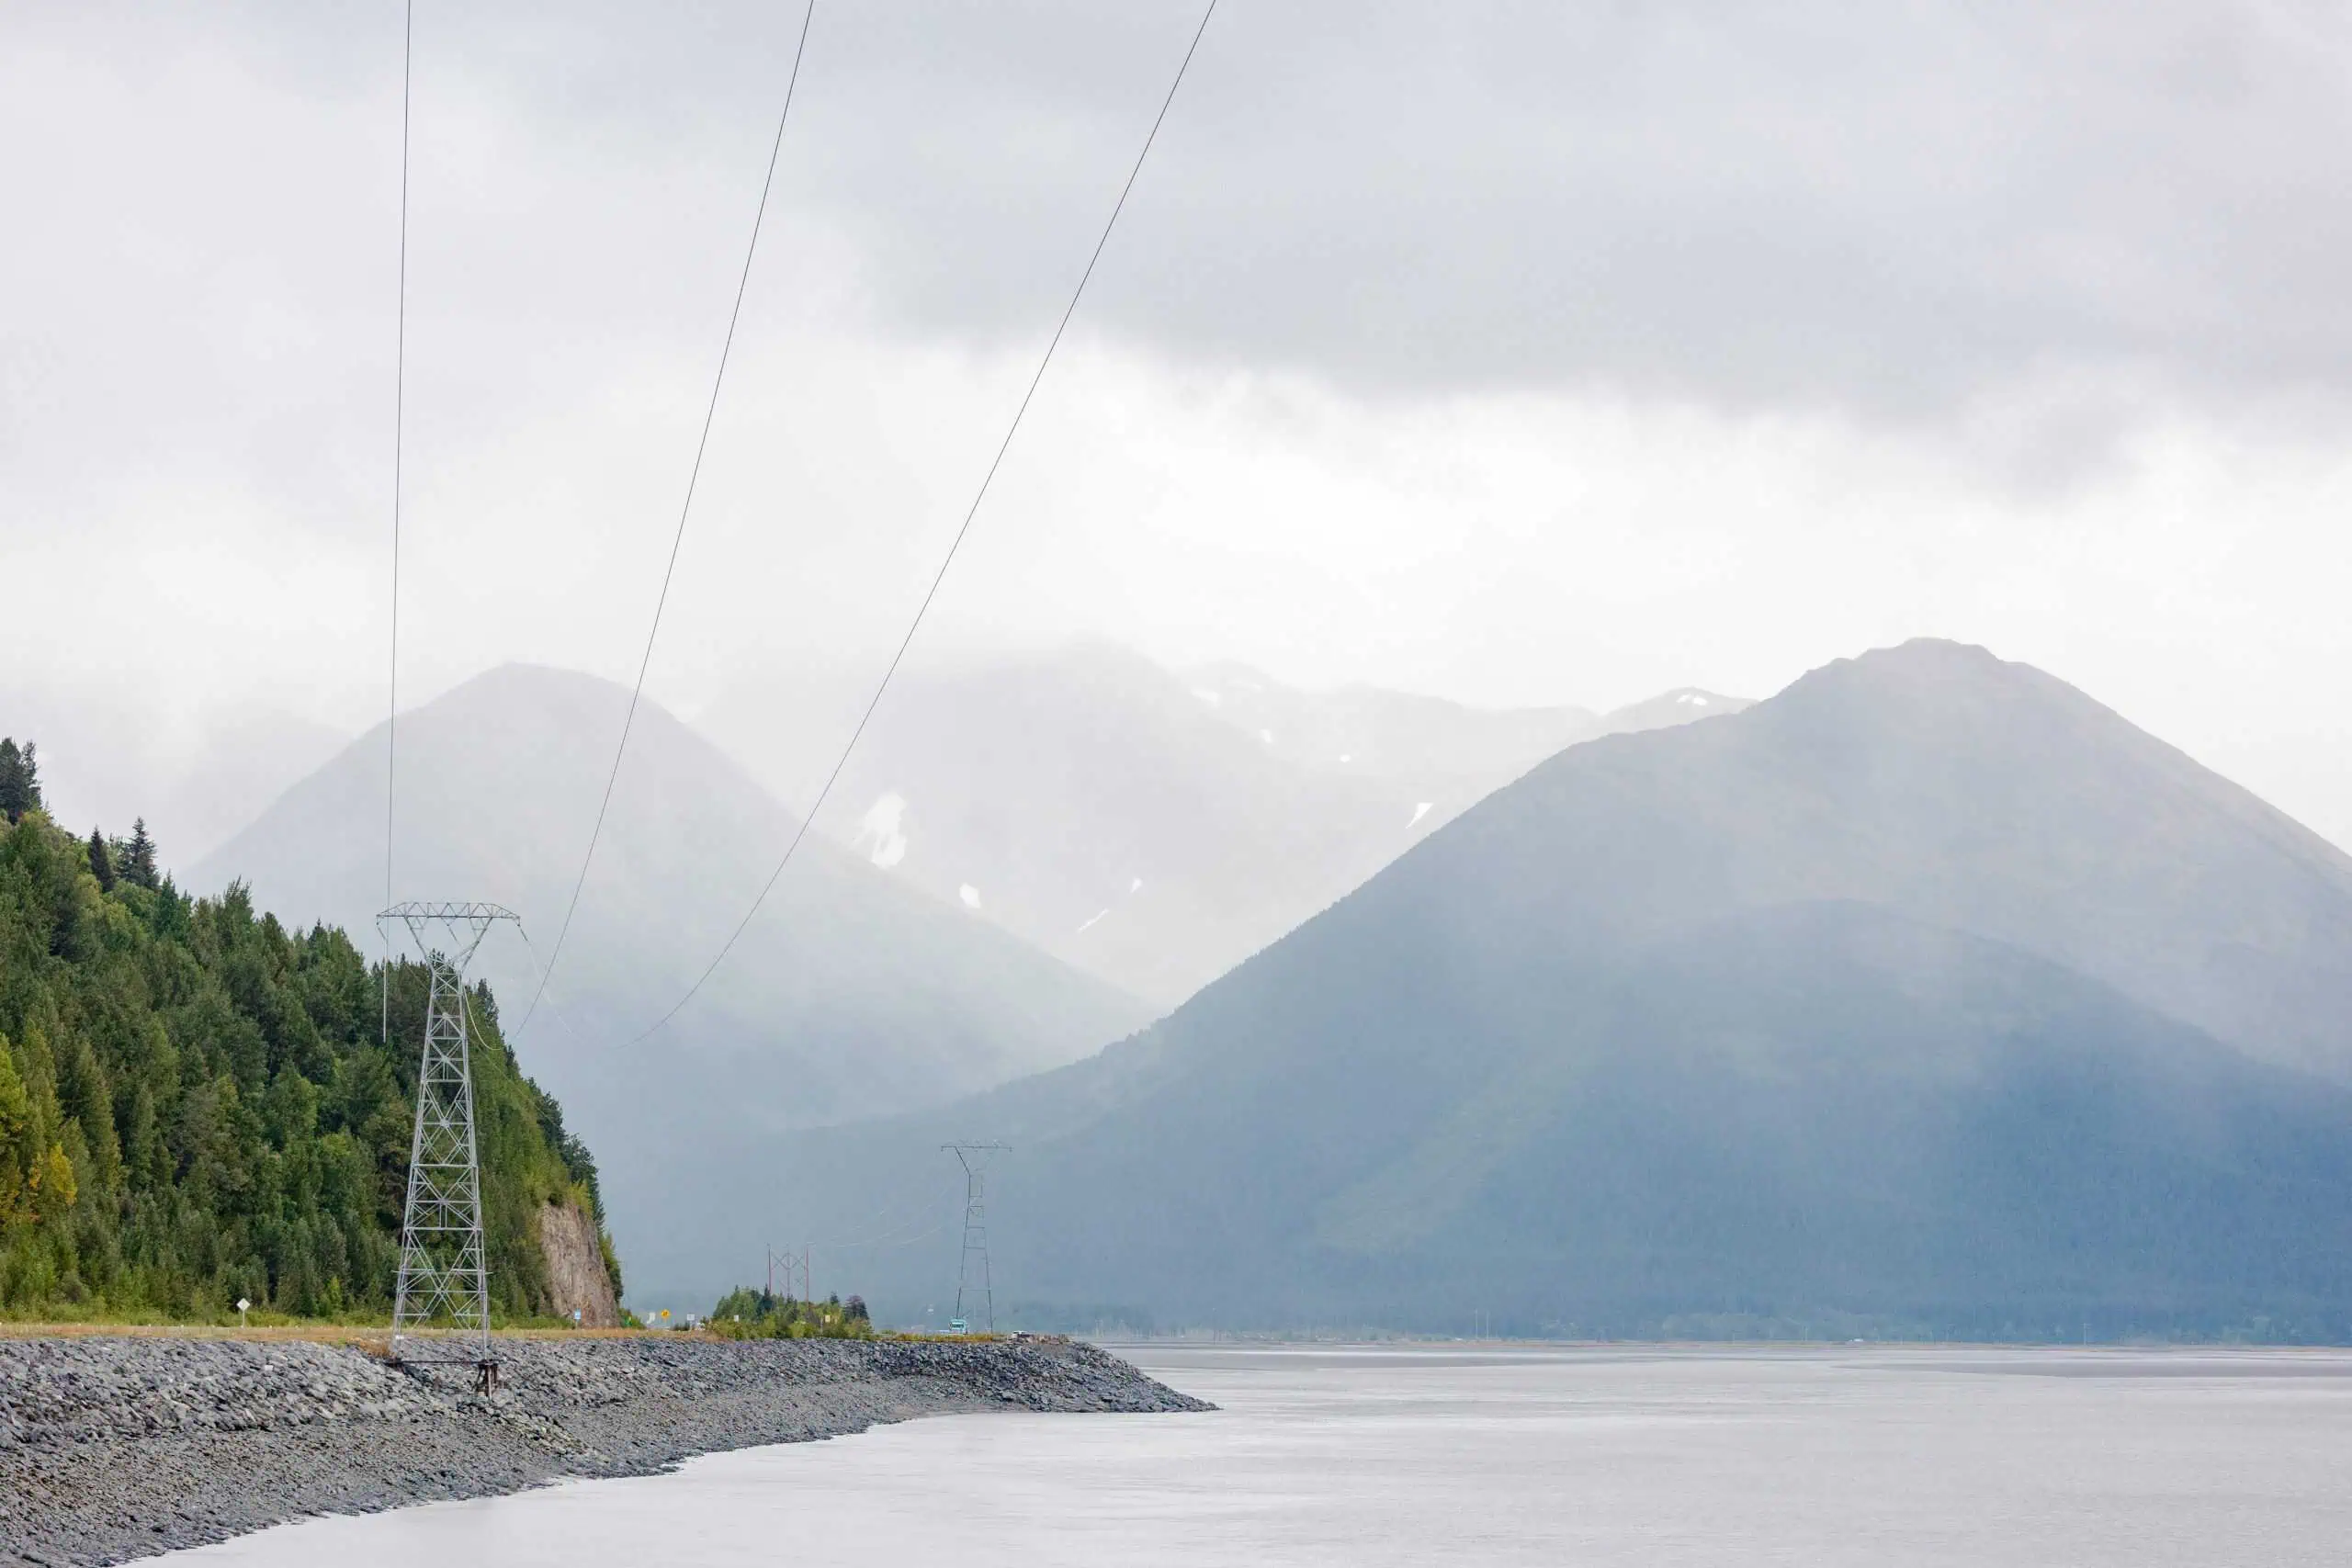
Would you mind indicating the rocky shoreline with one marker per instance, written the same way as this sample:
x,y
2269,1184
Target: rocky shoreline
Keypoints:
x,y
115,1447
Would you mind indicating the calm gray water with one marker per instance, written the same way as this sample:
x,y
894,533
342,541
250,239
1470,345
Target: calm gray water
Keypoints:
x,y
1889,1458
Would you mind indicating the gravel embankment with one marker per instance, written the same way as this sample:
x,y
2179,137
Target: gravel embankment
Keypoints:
x,y
118,1447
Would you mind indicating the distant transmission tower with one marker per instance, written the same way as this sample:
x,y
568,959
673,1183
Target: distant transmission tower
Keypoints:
x,y
444,1265
791,1262
972,1275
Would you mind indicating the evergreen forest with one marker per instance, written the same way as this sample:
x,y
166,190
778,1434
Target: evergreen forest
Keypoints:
x,y
747,1314
195,1105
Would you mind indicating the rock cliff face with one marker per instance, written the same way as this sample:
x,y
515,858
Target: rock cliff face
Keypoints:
x,y
577,1281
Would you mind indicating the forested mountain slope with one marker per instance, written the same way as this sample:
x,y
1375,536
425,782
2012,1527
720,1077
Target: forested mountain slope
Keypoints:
x,y
195,1107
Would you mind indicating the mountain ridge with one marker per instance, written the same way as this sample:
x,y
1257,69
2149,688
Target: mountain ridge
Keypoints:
x,y
1836,1011
849,993
1154,826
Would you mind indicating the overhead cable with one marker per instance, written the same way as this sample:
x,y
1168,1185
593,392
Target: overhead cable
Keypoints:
x,y
954,545
686,509
400,395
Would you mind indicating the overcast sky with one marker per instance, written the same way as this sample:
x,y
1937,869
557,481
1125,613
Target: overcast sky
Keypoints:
x,y
1514,352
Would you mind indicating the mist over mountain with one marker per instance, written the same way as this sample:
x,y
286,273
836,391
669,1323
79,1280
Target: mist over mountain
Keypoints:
x,y
851,993
196,776
1150,828
1435,748
1929,996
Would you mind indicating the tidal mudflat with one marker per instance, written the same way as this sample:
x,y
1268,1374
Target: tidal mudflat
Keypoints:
x,y
1894,1458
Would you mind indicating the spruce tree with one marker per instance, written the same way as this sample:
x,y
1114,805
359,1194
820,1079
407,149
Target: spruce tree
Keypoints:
x,y
19,780
101,862
139,859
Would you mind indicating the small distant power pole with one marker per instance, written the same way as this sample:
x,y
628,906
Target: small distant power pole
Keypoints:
x,y
443,1280
972,1273
789,1263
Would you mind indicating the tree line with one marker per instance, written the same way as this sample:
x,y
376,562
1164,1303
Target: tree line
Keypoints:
x,y
195,1105
747,1314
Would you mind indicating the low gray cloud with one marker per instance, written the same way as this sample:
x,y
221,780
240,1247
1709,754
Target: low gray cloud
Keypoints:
x,y
1891,211
1836,326
1887,210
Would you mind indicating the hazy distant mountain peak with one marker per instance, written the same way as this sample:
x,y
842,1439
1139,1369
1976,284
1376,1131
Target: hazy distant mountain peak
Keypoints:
x,y
1683,704
1968,792
1052,781
851,991
1929,991
1950,676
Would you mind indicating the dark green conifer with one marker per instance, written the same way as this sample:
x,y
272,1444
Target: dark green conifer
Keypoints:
x,y
19,780
101,862
139,859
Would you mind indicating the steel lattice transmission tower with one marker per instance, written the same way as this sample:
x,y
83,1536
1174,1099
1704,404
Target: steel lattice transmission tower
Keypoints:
x,y
792,1261
972,1273
444,1285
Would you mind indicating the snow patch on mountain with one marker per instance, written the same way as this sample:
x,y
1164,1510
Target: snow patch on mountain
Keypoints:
x,y
881,832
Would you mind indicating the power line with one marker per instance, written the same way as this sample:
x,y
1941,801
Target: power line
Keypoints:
x,y
890,1243
539,977
679,538
898,1229
954,545
399,394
